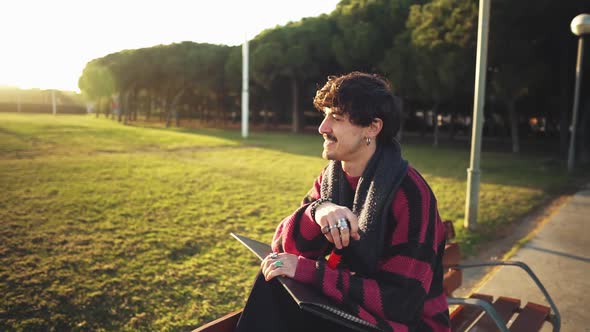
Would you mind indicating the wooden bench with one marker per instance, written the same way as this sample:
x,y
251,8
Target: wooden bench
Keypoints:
x,y
500,314
226,323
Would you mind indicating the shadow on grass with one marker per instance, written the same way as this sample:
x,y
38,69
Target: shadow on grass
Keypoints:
x,y
301,144
450,159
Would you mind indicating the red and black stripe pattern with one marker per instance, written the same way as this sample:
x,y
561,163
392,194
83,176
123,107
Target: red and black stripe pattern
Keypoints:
x,y
406,293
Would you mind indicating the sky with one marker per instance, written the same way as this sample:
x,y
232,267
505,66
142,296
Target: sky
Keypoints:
x,y
46,43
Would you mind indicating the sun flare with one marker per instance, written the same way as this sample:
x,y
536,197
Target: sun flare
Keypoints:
x,y
46,44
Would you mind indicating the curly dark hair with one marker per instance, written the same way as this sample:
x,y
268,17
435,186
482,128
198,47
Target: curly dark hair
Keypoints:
x,y
364,97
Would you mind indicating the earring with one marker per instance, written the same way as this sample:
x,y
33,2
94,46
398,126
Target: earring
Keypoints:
x,y
368,140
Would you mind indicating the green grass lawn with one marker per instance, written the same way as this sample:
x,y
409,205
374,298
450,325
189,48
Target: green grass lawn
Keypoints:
x,y
108,227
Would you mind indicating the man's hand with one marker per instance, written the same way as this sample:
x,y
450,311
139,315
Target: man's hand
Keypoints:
x,y
276,264
330,216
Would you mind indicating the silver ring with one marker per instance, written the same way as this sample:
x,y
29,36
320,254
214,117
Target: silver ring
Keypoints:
x,y
277,264
342,224
274,255
333,227
326,229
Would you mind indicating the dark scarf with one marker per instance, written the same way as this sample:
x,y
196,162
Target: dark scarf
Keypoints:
x,y
371,203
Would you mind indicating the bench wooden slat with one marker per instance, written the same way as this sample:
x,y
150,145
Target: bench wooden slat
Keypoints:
x,y
531,318
464,316
226,323
505,307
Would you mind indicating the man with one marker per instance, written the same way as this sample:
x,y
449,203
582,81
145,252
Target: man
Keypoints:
x,y
371,213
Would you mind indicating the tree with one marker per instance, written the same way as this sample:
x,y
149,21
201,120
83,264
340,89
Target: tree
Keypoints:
x,y
532,52
443,36
367,30
96,83
288,53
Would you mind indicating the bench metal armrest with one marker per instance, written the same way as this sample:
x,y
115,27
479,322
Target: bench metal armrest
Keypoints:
x,y
555,318
486,306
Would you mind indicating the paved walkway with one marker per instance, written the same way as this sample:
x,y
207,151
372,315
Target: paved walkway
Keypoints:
x,y
559,254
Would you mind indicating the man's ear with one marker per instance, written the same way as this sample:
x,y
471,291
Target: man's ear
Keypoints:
x,y
375,128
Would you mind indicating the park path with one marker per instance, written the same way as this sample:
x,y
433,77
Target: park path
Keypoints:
x,y
559,254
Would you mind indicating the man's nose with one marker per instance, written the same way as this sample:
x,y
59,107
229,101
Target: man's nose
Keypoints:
x,y
324,126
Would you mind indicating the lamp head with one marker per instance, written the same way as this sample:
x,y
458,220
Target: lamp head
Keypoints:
x,y
581,25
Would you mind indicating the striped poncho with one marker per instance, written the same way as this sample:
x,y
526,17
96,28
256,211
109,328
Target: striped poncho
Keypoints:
x,y
405,293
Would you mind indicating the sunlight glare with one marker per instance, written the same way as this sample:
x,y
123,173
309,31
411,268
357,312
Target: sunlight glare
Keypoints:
x,y
46,44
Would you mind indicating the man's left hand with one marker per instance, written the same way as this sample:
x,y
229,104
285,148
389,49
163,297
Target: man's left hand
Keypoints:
x,y
281,264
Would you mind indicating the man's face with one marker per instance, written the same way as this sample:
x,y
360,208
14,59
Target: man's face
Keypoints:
x,y
343,140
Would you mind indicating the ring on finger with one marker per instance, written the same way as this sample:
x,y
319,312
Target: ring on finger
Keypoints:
x,y
333,227
342,224
277,264
274,255
326,229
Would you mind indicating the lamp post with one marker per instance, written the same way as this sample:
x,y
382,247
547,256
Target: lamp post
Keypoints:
x,y
580,27
473,172
245,92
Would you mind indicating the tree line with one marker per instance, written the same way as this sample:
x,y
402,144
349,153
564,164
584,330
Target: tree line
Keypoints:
x,y
425,48
13,99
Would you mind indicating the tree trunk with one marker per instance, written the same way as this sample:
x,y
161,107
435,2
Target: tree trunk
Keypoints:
x,y
109,107
220,98
435,124
563,131
266,119
585,132
135,106
168,113
175,107
126,108
132,107
200,110
402,118
452,128
424,123
119,108
297,114
206,113
513,125
564,105
151,107
162,108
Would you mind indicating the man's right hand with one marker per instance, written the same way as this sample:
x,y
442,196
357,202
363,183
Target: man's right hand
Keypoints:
x,y
328,216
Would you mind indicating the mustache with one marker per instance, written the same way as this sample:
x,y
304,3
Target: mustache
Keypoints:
x,y
330,137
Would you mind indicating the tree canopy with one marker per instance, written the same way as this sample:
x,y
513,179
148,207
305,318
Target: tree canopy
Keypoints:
x,y
425,48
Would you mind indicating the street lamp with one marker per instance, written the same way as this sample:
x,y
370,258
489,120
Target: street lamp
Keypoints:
x,y
580,27
473,172
245,88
